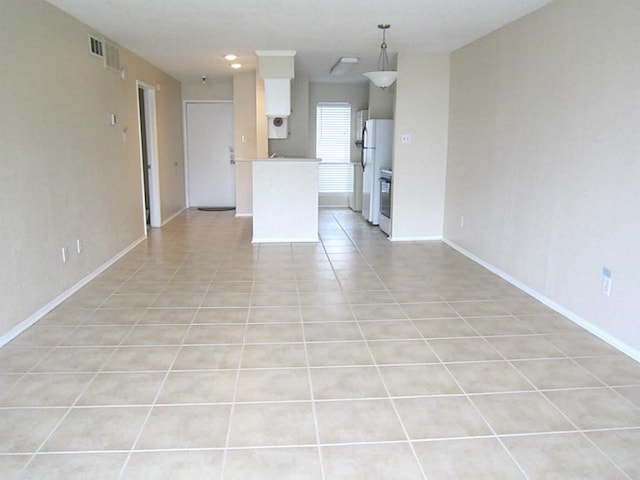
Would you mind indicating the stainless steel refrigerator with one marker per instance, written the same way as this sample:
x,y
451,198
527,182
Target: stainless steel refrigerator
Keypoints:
x,y
377,149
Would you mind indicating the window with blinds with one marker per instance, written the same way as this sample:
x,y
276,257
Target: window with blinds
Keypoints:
x,y
333,146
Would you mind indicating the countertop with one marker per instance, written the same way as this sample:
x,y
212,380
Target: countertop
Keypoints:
x,y
279,159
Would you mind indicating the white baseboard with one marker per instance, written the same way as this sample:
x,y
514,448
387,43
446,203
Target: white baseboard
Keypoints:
x,y
577,319
33,318
413,239
173,216
337,200
285,240
244,214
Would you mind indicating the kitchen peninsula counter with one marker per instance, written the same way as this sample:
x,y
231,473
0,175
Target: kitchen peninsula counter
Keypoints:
x,y
285,199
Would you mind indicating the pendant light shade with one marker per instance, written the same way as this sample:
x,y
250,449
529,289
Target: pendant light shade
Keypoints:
x,y
384,77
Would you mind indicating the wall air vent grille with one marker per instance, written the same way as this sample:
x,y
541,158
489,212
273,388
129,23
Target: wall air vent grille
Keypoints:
x,y
96,47
112,57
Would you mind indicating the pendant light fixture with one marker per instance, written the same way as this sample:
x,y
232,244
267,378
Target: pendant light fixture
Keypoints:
x,y
383,77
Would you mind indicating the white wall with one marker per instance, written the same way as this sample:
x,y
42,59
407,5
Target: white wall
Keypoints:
x,y
544,158
244,117
381,102
169,111
297,143
419,167
210,90
67,173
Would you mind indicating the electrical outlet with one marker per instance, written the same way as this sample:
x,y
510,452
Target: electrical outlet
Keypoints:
x,y
461,221
405,138
65,254
606,282
79,246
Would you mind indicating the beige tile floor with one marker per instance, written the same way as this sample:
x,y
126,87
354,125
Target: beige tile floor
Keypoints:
x,y
200,355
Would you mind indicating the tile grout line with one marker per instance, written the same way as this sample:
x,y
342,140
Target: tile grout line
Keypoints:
x,y
475,407
234,398
389,399
86,387
450,374
366,251
577,430
156,397
309,376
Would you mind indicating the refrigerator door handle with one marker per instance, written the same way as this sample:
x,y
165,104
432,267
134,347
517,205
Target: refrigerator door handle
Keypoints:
x,y
364,146
364,138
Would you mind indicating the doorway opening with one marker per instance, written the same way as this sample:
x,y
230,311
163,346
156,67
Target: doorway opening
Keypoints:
x,y
149,155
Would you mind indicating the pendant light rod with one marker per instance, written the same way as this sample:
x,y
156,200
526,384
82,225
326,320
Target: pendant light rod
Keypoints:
x,y
383,60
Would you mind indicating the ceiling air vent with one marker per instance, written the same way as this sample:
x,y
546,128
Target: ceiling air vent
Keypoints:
x,y
111,57
107,51
95,46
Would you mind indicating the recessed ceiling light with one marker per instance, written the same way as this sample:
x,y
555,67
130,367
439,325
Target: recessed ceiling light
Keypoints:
x,y
236,65
344,65
230,56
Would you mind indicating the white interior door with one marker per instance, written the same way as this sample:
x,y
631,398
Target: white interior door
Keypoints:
x,y
210,156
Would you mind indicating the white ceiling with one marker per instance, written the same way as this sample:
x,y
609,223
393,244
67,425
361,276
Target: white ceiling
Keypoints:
x,y
187,38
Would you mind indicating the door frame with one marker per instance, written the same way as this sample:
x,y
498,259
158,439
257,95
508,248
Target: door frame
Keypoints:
x,y
186,148
155,215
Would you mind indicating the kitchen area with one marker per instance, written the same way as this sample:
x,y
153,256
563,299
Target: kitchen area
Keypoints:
x,y
276,177
408,203
285,189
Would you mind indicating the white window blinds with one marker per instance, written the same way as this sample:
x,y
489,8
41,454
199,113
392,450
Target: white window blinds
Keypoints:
x,y
333,147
